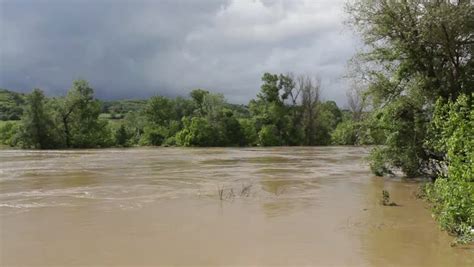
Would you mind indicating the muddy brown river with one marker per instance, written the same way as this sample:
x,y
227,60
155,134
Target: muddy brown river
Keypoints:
x,y
222,206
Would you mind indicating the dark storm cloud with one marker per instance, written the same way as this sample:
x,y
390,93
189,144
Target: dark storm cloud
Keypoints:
x,y
141,48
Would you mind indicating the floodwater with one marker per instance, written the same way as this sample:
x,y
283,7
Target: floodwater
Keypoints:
x,y
220,206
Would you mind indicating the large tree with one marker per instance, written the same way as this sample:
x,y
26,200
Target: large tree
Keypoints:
x,y
417,47
269,110
311,92
291,97
38,130
198,97
79,115
416,52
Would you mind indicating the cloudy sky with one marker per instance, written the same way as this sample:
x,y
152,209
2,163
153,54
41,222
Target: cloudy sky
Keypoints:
x,y
134,49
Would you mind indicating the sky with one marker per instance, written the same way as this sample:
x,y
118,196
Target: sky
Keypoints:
x,y
136,49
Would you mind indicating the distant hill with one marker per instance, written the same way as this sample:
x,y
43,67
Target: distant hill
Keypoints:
x,y
11,105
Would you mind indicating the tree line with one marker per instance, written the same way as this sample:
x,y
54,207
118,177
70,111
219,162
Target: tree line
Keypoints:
x,y
288,111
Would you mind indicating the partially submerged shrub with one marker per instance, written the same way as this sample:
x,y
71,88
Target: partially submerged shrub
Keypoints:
x,y
345,133
122,136
268,136
386,199
452,195
8,131
453,205
226,194
378,164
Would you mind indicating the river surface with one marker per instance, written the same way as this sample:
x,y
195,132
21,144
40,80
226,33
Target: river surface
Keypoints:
x,y
220,206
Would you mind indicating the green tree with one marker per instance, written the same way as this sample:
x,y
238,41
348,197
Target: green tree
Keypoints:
x,y
197,131
214,123
11,105
290,96
232,133
79,116
135,123
183,107
212,106
417,51
311,90
9,133
269,110
345,133
154,135
160,110
198,97
249,131
270,91
404,126
122,136
268,136
328,117
452,135
163,119
37,128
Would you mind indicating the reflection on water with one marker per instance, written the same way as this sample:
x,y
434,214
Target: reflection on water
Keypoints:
x,y
278,186
289,206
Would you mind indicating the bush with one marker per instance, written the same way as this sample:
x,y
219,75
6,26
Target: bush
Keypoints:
x,y
249,131
378,164
170,141
403,122
153,136
122,136
197,132
8,130
268,136
452,194
231,132
453,205
345,133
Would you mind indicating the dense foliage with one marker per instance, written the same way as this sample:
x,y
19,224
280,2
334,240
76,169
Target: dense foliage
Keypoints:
x,y
417,51
37,129
452,194
287,111
11,105
418,69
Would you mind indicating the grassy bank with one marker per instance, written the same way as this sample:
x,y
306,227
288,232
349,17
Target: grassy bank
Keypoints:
x,y
452,205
